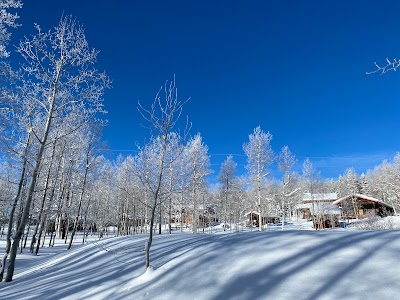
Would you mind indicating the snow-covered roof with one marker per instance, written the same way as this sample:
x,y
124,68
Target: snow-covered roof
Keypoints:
x,y
360,196
320,197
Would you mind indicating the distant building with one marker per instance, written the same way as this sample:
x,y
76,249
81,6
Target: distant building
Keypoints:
x,y
253,219
324,209
317,204
360,206
320,209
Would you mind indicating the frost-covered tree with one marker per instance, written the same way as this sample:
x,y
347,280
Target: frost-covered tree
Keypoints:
x,y
286,161
90,140
7,191
349,183
7,19
128,196
364,185
310,177
259,157
105,205
384,182
227,185
311,184
162,117
59,81
389,65
198,163
231,194
174,180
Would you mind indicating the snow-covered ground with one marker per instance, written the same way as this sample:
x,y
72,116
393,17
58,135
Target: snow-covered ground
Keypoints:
x,y
290,264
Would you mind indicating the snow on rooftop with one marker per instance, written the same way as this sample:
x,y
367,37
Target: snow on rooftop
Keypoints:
x,y
361,196
320,197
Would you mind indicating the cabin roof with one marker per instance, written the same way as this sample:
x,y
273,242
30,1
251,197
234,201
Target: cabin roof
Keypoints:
x,y
320,197
361,196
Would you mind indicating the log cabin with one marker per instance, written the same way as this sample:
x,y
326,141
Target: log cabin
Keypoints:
x,y
358,206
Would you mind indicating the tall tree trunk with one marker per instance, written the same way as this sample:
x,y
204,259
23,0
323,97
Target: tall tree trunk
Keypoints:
x,y
194,213
42,227
39,219
41,211
150,240
160,219
170,196
85,227
260,225
170,217
66,230
24,217
13,207
156,196
80,200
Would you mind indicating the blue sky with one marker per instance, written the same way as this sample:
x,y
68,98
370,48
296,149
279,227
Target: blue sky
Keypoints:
x,y
296,68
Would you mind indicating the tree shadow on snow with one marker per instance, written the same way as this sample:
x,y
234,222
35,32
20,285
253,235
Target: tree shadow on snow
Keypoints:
x,y
278,275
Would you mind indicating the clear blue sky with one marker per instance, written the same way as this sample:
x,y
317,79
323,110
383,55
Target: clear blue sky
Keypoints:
x,y
296,68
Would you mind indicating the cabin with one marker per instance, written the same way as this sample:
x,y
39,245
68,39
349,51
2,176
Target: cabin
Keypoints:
x,y
320,209
358,206
316,204
253,219
206,216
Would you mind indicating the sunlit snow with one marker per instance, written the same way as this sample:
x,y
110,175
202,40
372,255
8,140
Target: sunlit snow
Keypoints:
x,y
274,264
